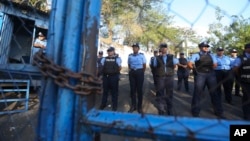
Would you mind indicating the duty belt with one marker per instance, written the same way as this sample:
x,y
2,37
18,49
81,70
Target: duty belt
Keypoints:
x,y
136,69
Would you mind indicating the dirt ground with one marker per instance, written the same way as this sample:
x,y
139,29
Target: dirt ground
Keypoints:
x,y
22,126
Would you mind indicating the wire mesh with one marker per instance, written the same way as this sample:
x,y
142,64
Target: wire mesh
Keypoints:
x,y
21,23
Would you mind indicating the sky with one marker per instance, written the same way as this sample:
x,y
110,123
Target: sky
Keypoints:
x,y
198,14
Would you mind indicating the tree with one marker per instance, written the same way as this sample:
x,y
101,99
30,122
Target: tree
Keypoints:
x,y
143,21
234,35
128,14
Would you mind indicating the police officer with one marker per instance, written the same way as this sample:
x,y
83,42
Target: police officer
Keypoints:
x,y
234,82
137,67
242,69
204,62
223,74
99,64
160,52
182,72
165,65
111,69
153,69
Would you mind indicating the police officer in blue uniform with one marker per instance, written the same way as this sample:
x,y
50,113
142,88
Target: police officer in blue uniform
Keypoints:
x,y
234,81
111,70
137,67
223,74
204,63
182,72
153,69
242,69
165,64
99,64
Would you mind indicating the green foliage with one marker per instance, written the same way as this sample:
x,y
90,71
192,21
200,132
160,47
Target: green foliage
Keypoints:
x,y
230,36
144,21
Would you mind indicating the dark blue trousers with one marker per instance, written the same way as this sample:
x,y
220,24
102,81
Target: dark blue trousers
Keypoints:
x,y
182,75
164,94
208,79
224,79
136,79
110,84
234,82
246,100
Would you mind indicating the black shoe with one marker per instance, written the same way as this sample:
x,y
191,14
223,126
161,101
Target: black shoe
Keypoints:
x,y
139,110
170,113
102,106
230,102
132,109
114,109
238,95
161,112
195,115
220,116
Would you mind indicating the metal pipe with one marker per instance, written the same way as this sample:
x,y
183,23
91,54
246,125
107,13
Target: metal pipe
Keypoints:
x,y
89,46
64,123
49,91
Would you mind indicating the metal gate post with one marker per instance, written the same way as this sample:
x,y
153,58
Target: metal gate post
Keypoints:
x,y
72,43
89,44
57,104
49,91
70,59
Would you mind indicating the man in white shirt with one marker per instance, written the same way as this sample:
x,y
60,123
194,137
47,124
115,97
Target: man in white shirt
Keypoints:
x,y
40,43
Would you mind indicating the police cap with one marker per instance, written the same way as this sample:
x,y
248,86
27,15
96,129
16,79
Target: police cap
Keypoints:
x,y
163,45
220,49
100,52
111,49
247,45
203,44
135,45
41,34
233,51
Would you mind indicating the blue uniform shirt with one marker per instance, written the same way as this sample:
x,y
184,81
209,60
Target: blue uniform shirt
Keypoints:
x,y
223,62
118,61
237,61
232,59
152,58
175,61
196,57
136,61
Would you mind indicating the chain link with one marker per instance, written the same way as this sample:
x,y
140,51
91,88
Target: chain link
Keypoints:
x,y
63,77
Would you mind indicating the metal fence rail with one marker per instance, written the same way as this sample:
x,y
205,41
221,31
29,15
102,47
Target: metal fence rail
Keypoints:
x,y
15,86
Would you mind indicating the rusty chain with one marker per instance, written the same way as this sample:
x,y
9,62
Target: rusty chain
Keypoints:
x,y
63,77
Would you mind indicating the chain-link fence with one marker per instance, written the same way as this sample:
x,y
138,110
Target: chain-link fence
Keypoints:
x,y
49,89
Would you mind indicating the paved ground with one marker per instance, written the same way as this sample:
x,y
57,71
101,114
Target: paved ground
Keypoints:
x,y
22,126
181,102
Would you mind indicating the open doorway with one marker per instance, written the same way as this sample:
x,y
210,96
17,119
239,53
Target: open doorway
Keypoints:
x,y
21,40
